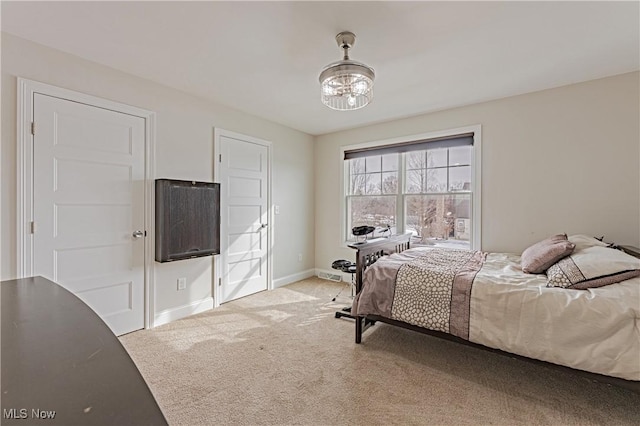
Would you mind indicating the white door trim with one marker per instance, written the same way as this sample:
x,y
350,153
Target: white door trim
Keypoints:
x,y
217,134
26,91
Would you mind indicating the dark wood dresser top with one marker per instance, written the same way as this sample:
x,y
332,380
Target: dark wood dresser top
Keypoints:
x,y
59,356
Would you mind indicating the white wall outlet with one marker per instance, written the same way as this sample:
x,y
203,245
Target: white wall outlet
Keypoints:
x,y
277,209
182,283
299,257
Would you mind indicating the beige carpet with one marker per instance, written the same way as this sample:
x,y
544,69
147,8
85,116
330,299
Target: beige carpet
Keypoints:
x,y
281,358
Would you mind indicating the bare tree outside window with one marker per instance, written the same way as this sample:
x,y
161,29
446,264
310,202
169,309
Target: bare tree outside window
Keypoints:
x,y
436,219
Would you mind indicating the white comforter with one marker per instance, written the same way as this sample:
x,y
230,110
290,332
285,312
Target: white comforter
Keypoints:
x,y
596,330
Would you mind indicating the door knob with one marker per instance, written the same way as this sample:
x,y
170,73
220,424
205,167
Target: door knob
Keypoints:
x,y
137,234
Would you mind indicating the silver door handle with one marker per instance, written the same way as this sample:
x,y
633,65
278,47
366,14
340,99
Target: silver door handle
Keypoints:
x,y
137,234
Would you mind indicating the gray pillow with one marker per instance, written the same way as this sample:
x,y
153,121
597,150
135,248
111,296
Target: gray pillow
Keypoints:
x,y
540,256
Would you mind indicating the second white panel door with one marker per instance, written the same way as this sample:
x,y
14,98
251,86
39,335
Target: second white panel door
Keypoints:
x,y
244,217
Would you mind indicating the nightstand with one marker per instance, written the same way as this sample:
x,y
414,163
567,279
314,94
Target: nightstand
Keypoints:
x,y
633,251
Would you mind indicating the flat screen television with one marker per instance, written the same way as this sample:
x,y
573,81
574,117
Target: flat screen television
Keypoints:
x,y
187,219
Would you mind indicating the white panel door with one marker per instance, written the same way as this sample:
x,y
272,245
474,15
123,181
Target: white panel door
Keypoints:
x,y
88,192
244,217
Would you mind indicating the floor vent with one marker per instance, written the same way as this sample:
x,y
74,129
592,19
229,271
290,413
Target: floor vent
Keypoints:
x,y
330,277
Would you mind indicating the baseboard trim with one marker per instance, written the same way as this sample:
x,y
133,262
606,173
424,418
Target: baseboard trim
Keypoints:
x,y
183,311
293,278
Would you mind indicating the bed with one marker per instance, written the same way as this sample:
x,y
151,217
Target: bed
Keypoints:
x,y
492,304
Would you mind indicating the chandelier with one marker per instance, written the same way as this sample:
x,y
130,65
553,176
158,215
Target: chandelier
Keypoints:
x,y
346,84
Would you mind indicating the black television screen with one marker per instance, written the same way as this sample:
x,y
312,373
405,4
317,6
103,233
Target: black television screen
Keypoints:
x,y
187,219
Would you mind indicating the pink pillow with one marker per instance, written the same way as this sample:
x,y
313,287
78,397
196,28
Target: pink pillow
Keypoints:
x,y
540,256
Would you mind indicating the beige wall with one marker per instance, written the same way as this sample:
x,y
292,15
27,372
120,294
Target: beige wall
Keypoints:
x,y
184,150
559,160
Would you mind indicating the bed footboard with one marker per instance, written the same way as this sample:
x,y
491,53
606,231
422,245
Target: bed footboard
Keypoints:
x,y
367,253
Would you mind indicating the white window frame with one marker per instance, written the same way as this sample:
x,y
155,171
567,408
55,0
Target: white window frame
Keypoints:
x,y
476,173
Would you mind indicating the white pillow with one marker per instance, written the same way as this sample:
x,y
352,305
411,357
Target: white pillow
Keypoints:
x,y
591,267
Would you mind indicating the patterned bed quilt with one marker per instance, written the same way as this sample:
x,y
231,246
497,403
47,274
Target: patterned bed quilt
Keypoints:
x,y
487,299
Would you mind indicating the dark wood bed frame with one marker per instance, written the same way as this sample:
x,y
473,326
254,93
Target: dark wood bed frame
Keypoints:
x,y
370,251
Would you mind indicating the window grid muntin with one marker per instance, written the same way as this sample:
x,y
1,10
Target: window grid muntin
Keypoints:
x,y
426,168
370,176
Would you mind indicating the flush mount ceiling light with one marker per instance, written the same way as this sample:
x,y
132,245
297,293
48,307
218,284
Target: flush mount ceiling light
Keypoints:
x,y
346,84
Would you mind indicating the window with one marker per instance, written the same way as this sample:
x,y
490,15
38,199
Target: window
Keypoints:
x,y
425,188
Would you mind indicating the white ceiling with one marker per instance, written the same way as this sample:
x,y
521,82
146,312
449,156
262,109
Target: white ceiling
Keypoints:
x,y
264,58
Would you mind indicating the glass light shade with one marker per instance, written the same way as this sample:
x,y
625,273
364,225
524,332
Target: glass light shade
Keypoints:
x,y
346,85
